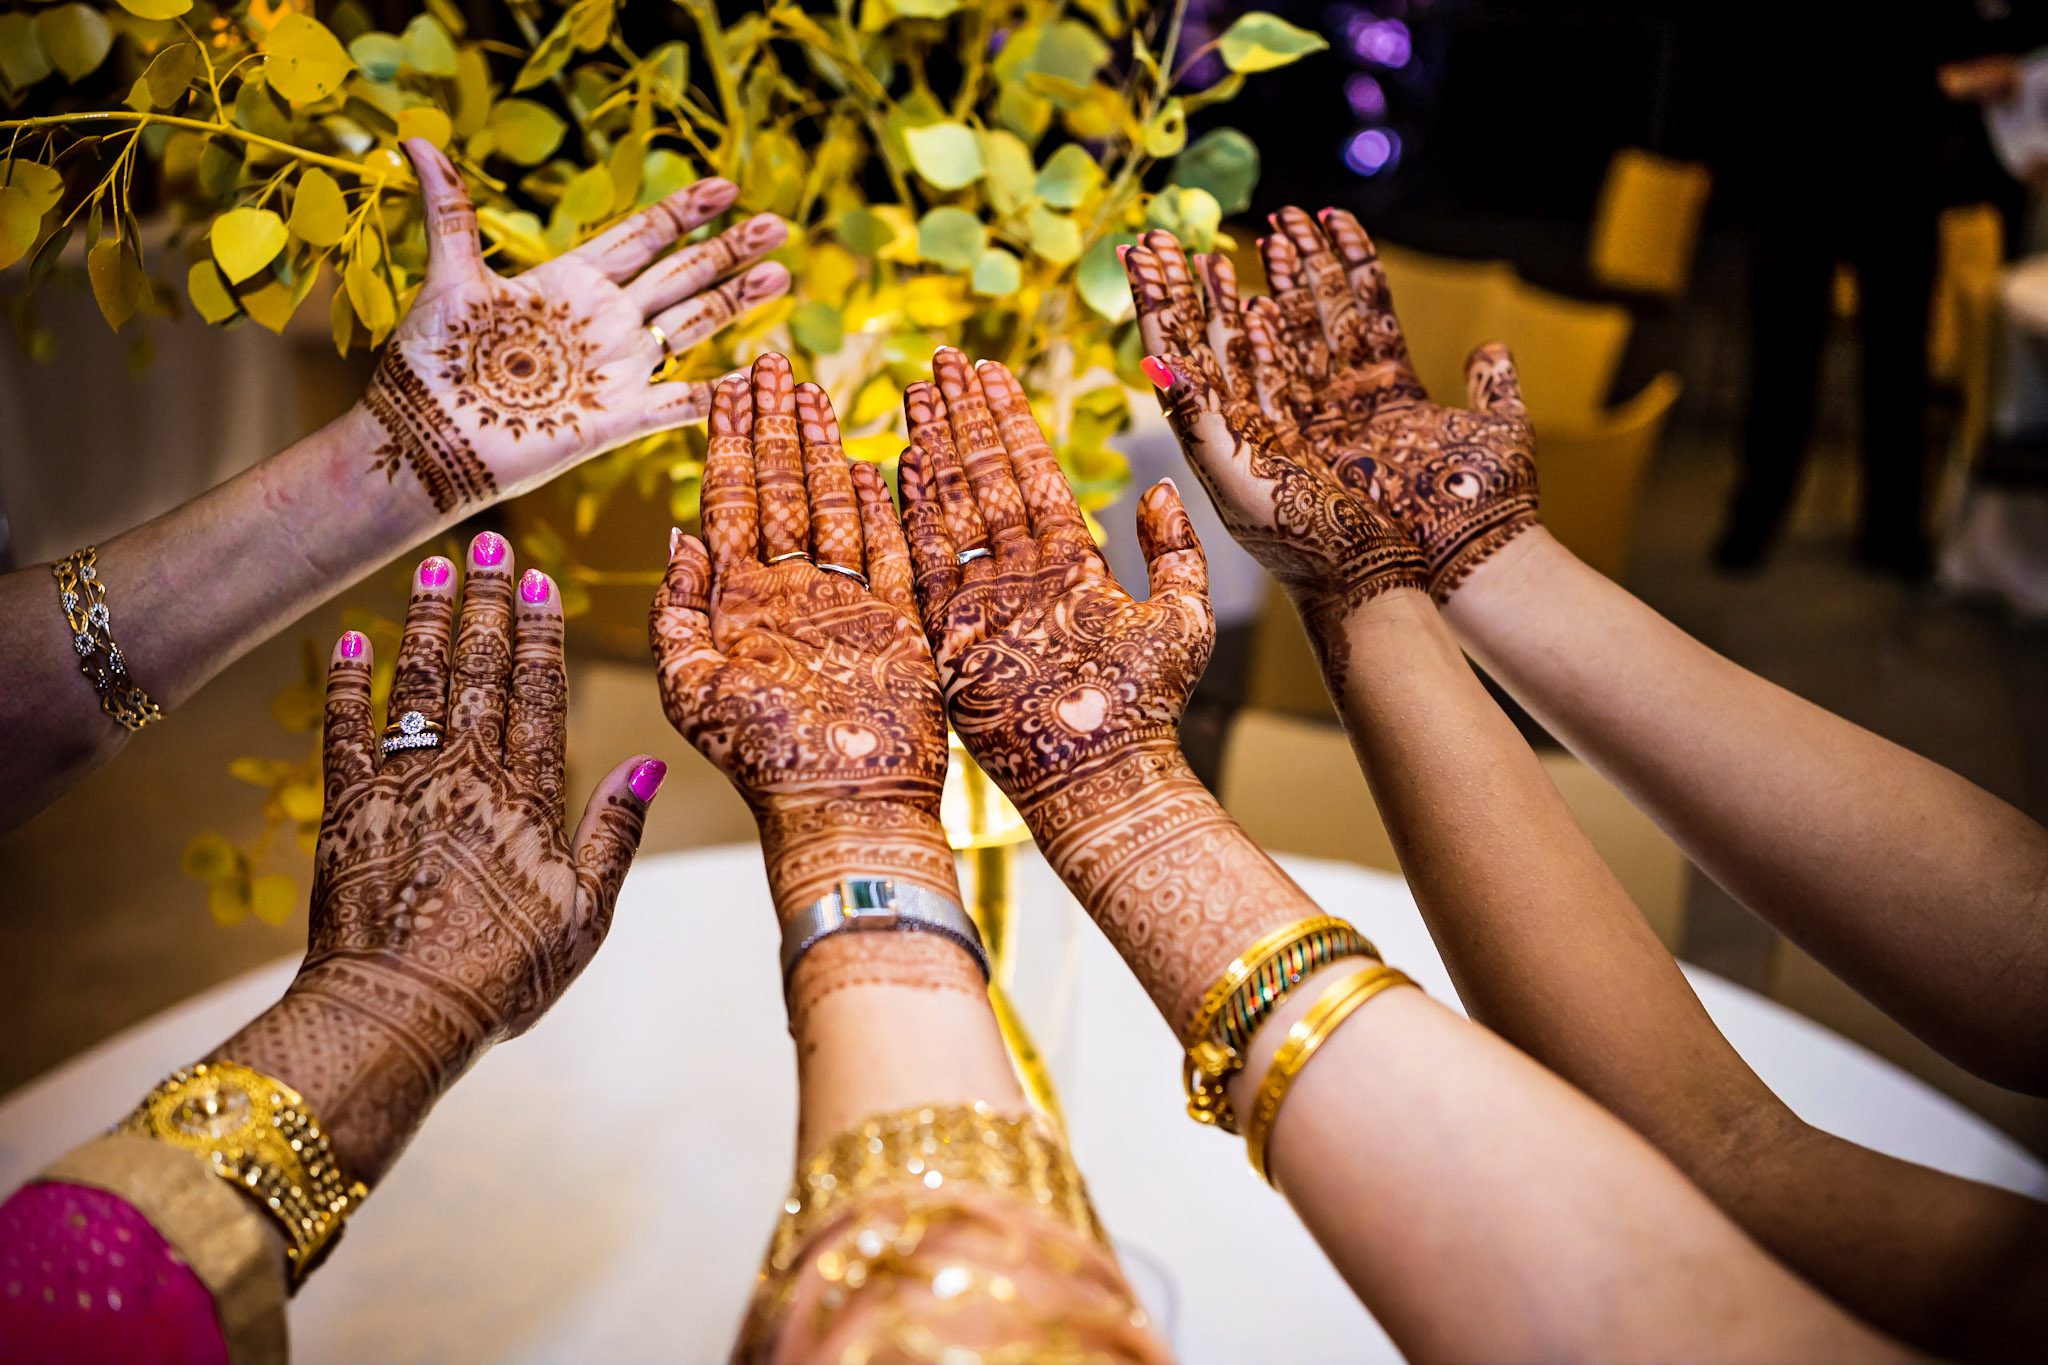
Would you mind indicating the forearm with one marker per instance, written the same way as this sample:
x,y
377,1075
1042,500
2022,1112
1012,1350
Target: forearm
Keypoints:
x,y
193,590
1925,892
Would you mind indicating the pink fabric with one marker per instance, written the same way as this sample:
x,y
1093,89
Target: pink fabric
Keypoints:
x,y
85,1278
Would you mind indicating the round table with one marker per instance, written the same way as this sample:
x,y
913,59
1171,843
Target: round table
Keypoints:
x,y
601,1189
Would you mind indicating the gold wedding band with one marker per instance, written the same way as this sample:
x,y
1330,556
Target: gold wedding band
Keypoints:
x,y
654,330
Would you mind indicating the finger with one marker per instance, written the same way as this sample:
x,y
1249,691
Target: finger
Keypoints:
x,y
1190,312
1158,326
674,403
1382,334
933,558
419,682
1269,379
696,267
887,554
630,246
483,646
1226,335
696,319
1491,382
1336,307
537,709
1305,353
835,516
778,462
1055,516
980,449
679,622
932,435
348,732
731,512
454,255
606,840
1173,555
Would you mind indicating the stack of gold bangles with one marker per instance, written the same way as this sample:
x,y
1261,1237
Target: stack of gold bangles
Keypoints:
x,y
1246,995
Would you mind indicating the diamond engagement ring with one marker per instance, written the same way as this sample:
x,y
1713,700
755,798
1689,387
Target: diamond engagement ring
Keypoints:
x,y
968,556
411,731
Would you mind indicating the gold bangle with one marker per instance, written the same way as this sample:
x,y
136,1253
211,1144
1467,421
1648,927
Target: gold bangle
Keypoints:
x,y
1331,1009
84,599
254,1132
1203,1021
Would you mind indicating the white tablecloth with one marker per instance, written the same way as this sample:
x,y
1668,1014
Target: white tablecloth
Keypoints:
x,y
600,1190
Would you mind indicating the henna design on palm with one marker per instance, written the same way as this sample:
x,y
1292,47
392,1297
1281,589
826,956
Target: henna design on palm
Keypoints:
x,y
494,385
449,910
1460,481
814,692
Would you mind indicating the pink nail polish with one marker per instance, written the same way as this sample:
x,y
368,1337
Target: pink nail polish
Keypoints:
x,y
646,779
488,550
534,586
1157,371
1123,253
352,644
434,571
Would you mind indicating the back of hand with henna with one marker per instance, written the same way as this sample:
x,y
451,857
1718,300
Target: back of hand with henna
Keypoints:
x,y
1068,691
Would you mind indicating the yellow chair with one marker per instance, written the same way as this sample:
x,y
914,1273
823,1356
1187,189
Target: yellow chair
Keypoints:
x,y
1296,788
1646,228
1972,249
1447,307
1591,476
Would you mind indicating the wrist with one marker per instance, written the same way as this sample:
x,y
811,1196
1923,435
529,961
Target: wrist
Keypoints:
x,y
811,844
332,496
1519,566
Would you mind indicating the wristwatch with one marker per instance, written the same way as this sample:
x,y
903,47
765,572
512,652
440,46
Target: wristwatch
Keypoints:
x,y
865,904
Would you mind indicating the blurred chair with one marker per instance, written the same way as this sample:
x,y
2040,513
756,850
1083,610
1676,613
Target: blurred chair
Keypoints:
x,y
1646,228
1296,788
1971,246
1447,307
1591,475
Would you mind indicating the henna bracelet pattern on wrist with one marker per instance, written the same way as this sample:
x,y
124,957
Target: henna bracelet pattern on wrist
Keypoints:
x,y
1309,1032
84,598
254,1132
1245,995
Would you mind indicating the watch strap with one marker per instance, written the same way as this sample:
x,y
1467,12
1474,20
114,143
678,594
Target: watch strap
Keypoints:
x,y
878,904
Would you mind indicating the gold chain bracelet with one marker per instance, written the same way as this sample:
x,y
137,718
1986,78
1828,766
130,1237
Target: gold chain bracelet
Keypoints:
x,y
84,599
1331,1009
254,1132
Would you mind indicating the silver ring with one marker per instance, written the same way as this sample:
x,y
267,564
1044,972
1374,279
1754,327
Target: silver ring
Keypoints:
x,y
793,554
967,556
855,574
411,731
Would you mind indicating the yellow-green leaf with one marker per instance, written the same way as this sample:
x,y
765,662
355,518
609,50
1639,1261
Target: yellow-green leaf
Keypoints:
x,y
300,801
1167,133
1069,51
864,231
924,9
272,305
1068,176
19,223
319,214
550,57
428,48
945,154
117,281
424,120
1224,162
1260,41
75,38
1023,111
228,900
341,321
380,55
1054,236
1101,279
370,296
246,240
1007,163
951,237
817,327
169,73
22,62
304,62
587,197
156,9
208,858
997,273
209,292
273,898
525,131
42,184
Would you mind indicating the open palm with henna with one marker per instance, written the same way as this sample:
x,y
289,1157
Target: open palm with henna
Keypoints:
x,y
789,652
1051,668
449,909
1329,544
1461,482
493,385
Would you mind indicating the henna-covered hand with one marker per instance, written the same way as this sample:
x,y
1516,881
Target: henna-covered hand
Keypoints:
x,y
449,911
1461,482
1216,363
493,385
811,687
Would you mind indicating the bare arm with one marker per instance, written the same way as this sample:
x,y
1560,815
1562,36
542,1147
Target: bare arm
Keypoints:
x,y
490,387
1067,692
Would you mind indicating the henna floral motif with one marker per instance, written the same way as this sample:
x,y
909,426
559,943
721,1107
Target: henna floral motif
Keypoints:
x,y
493,385
813,692
1461,482
449,910
1327,544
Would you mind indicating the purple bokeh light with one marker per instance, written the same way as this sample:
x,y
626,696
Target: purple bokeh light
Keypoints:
x,y
1373,151
1383,42
1367,100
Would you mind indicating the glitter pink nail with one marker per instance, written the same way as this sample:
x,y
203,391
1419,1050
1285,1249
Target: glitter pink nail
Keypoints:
x,y
488,550
646,779
534,586
434,571
352,644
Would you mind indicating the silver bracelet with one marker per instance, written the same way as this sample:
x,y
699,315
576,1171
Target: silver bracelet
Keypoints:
x,y
865,904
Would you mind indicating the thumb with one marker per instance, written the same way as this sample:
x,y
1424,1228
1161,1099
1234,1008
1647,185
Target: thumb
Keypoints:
x,y
1173,554
605,843
1490,381
454,255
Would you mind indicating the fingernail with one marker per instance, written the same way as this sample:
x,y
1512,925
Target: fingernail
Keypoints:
x,y
1157,371
646,779
675,540
534,586
434,571
1323,215
1168,482
1123,253
488,549
352,643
